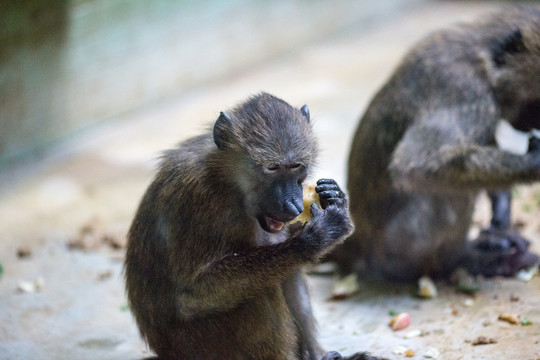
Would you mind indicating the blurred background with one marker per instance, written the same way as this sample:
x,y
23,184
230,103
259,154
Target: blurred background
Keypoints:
x,y
91,91
68,65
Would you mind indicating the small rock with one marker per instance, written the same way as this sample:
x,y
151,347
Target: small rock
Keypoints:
x,y
431,353
399,350
482,340
413,334
26,287
39,283
24,252
31,286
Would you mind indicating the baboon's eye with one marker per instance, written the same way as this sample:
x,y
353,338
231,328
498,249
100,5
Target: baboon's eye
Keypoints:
x,y
295,166
273,167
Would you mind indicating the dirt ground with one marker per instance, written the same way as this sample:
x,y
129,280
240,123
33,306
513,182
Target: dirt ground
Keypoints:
x,y
64,219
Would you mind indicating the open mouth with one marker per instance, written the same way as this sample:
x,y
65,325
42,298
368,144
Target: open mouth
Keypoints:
x,y
274,225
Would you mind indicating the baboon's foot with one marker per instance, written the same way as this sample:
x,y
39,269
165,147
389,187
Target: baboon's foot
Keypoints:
x,y
499,253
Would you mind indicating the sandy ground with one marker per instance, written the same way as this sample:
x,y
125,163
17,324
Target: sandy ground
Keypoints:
x,y
87,191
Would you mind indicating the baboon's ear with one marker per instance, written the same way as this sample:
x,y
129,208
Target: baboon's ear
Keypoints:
x,y
511,44
221,130
305,110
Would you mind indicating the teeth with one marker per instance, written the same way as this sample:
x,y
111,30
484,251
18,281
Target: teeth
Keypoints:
x,y
274,224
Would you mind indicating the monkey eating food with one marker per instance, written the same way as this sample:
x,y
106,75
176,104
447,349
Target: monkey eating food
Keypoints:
x,y
310,196
426,147
213,269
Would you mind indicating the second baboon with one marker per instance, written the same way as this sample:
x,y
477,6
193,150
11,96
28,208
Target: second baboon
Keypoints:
x,y
213,269
426,147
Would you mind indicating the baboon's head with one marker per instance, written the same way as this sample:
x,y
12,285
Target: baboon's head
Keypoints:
x,y
515,70
269,148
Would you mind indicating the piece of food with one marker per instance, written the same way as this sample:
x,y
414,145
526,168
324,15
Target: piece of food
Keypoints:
x,y
527,274
426,288
346,287
31,286
510,318
26,287
310,196
409,353
482,340
464,282
400,321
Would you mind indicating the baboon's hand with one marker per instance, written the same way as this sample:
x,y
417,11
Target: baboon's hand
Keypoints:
x,y
330,193
335,215
328,225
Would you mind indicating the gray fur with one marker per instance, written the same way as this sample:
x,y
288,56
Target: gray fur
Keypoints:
x,y
203,279
426,145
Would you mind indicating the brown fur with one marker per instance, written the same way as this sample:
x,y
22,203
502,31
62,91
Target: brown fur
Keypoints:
x,y
203,279
426,145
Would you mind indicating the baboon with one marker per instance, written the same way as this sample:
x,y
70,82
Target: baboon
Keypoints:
x,y
426,147
213,269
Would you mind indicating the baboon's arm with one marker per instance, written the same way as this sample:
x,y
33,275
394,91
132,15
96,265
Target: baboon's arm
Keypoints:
x,y
237,276
442,153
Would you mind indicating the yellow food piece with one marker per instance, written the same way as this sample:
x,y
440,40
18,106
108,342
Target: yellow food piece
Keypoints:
x,y
426,288
409,353
346,287
510,318
310,196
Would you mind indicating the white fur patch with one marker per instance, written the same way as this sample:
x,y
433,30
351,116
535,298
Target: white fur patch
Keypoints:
x,y
510,139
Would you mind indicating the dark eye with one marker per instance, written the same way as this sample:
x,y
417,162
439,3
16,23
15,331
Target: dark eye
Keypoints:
x,y
273,167
295,166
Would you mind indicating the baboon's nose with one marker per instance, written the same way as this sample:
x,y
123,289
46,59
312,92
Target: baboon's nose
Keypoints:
x,y
293,207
